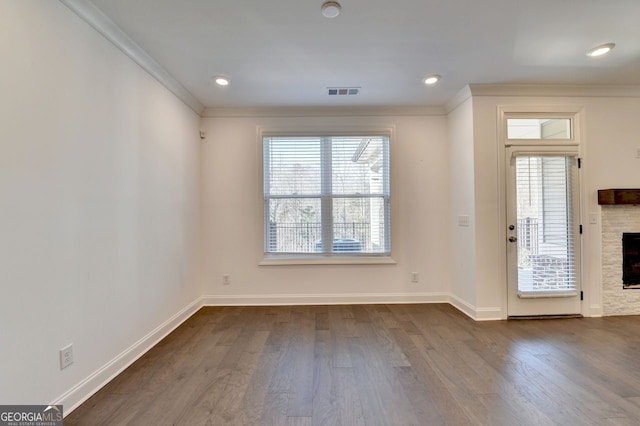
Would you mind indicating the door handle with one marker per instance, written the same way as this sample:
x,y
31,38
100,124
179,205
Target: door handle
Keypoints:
x,y
512,239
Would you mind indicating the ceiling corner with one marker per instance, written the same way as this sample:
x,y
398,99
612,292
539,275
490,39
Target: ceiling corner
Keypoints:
x,y
88,12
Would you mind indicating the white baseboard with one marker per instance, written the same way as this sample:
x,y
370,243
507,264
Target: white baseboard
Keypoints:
x,y
488,314
595,311
476,314
324,299
86,388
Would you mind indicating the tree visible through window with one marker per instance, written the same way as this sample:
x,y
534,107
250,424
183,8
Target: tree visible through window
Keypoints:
x,y
326,195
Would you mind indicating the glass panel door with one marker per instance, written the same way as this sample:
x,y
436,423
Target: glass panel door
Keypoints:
x,y
542,235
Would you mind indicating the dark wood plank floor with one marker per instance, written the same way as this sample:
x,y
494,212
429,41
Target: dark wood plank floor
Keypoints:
x,y
377,365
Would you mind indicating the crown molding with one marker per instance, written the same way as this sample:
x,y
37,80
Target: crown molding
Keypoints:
x,y
93,16
456,100
363,111
555,90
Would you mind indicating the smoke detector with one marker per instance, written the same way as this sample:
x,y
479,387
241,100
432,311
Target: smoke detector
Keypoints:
x,y
331,9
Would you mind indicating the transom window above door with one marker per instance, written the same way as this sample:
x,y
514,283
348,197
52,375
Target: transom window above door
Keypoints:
x,y
539,128
326,196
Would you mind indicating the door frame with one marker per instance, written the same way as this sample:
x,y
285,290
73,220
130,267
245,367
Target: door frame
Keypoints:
x,y
573,112
563,303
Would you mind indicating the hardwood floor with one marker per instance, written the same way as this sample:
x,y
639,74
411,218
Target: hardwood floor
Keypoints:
x,y
377,365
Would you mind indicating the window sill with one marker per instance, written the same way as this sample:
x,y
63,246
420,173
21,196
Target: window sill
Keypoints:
x,y
355,260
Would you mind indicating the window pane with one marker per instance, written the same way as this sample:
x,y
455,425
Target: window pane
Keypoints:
x,y
292,166
539,128
359,225
326,194
294,225
545,224
357,164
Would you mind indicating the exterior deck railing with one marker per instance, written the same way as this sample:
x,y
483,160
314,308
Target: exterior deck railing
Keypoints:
x,y
306,237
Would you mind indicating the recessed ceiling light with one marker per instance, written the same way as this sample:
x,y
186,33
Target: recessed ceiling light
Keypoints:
x,y
432,79
603,49
221,80
331,9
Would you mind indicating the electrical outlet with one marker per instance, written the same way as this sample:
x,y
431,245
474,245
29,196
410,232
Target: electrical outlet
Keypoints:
x,y
414,277
66,356
463,220
226,279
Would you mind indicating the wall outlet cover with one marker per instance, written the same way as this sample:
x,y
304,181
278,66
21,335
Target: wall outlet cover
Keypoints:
x,y
66,356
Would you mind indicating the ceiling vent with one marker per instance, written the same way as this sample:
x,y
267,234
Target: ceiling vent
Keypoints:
x,y
342,91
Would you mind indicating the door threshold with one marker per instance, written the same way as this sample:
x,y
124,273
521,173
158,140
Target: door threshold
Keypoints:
x,y
530,317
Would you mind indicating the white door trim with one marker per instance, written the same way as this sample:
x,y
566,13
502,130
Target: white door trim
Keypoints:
x,y
577,113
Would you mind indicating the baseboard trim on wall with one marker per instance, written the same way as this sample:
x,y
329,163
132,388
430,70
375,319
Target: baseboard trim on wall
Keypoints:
x,y
86,388
324,299
488,314
476,314
595,311
81,392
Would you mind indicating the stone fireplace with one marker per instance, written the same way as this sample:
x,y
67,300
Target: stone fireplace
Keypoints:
x,y
620,232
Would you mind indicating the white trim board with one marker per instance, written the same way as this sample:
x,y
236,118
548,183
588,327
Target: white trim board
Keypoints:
x,y
82,391
93,16
324,299
458,99
476,314
555,90
540,90
355,111
96,381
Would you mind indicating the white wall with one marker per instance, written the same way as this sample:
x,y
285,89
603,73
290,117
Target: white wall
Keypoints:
x,y
100,211
99,203
462,195
609,143
233,230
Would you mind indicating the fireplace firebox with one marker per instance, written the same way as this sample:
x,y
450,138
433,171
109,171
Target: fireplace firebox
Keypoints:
x,y
631,260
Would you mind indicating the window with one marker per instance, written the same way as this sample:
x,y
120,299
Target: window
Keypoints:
x,y
326,195
538,128
546,223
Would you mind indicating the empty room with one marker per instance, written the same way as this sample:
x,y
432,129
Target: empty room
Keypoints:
x,y
305,212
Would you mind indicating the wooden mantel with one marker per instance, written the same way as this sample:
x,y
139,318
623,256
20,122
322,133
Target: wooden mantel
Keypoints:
x,y
618,196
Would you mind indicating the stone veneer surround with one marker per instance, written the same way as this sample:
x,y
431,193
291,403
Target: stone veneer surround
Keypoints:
x,y
617,219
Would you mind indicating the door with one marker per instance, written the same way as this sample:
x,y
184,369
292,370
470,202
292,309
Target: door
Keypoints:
x,y
543,246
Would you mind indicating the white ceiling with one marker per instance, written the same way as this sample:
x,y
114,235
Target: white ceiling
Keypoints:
x,y
285,53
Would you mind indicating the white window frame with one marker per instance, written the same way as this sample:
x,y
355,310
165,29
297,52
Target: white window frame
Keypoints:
x,y
325,258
